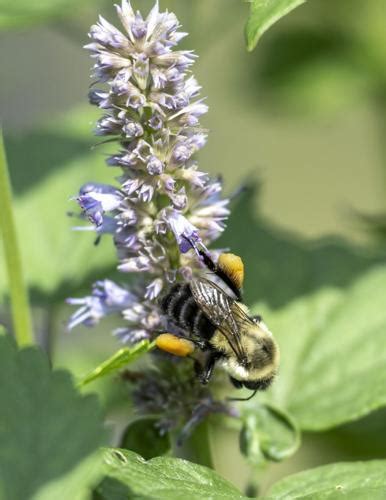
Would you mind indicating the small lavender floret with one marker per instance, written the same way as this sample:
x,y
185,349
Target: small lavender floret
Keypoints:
x,y
107,297
183,230
154,166
153,289
96,199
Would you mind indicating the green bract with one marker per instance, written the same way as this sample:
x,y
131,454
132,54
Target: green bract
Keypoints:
x,y
121,358
268,434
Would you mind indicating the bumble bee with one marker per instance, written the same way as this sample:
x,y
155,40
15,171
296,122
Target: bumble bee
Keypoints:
x,y
212,317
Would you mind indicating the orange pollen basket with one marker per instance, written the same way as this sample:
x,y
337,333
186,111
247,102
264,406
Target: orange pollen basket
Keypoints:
x,y
232,266
174,345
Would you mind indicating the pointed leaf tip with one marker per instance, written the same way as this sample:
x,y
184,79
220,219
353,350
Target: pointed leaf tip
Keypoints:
x,y
263,14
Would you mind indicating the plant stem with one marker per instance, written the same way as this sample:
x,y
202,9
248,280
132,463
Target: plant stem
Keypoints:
x,y
197,447
21,317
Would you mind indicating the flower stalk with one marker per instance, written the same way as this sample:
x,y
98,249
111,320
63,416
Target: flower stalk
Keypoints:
x,y
21,316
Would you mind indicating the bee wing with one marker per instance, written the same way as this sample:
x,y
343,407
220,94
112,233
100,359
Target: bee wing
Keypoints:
x,y
220,310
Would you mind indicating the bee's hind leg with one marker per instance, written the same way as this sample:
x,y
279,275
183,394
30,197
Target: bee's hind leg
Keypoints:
x,y
207,370
230,268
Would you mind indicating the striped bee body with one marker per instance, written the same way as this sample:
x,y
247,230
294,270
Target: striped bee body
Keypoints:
x,y
180,306
212,317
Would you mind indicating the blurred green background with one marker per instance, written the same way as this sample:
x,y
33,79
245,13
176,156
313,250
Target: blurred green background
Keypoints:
x,y
302,118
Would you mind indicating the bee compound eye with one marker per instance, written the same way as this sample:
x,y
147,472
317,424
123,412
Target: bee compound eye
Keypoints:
x,y
257,319
236,383
259,385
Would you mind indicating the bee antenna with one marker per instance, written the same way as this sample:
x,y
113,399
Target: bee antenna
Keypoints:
x,y
243,399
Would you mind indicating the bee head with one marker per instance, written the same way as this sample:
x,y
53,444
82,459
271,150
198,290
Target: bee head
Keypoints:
x,y
258,369
262,351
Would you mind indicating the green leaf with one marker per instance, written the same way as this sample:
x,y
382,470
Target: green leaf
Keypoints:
x,y
281,267
268,434
118,360
76,484
333,353
130,476
354,480
143,437
47,429
324,302
263,14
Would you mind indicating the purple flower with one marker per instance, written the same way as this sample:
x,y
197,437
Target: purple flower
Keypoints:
x,y
179,199
193,176
182,152
132,129
146,193
151,105
139,28
107,297
107,35
183,230
155,166
96,199
154,289
99,98
163,205
130,336
155,122
135,265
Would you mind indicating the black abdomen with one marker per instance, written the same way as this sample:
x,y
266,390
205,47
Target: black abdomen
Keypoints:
x,y
179,305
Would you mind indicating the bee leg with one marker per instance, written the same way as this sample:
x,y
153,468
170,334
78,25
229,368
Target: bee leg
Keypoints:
x,y
208,368
230,268
206,258
201,344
